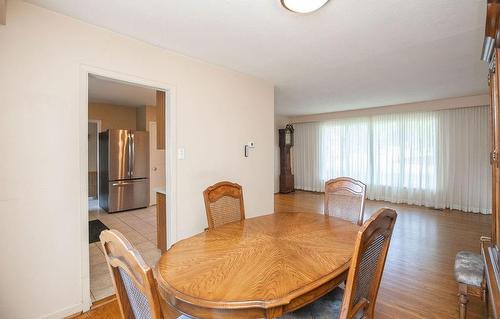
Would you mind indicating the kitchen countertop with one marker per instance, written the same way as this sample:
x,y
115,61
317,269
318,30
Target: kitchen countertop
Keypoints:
x,y
161,190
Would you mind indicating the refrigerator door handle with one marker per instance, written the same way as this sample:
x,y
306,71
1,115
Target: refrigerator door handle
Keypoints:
x,y
132,158
125,183
129,153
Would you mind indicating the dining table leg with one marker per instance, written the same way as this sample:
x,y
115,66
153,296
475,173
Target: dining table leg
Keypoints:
x,y
274,312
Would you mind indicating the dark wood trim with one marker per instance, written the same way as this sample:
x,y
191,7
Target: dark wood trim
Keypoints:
x,y
3,12
492,282
492,273
160,119
492,19
161,221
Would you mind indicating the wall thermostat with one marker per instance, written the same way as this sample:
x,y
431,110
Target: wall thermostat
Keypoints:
x,y
248,146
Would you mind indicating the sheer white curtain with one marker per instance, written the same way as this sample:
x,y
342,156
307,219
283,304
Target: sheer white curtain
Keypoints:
x,y
464,140
437,159
404,166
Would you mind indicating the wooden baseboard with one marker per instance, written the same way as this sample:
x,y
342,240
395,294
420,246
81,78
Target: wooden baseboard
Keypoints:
x,y
64,313
306,191
75,315
102,302
96,304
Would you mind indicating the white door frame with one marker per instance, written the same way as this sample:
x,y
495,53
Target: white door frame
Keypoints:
x,y
170,169
99,123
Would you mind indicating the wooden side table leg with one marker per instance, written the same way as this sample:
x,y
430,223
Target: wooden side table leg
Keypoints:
x,y
463,299
484,297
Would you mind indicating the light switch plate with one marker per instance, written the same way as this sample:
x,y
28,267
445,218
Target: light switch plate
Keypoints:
x,y
180,154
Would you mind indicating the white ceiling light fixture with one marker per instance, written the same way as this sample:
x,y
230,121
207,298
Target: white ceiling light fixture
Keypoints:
x,y
303,6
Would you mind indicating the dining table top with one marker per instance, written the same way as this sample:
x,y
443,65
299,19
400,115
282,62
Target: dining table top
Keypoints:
x,y
259,267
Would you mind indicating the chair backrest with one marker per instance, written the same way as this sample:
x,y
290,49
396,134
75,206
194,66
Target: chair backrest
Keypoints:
x,y
224,204
345,198
133,279
367,265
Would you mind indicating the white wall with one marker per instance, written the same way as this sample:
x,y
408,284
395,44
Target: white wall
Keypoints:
x,y
280,122
218,111
434,105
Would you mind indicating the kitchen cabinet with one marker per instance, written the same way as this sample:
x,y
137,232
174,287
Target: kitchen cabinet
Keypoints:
x,y
161,221
160,119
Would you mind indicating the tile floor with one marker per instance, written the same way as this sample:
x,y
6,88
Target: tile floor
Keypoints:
x,y
139,226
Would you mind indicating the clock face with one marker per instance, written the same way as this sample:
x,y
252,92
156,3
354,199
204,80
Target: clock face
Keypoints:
x,y
288,138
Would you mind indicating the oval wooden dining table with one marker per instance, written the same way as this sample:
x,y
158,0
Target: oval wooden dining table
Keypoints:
x,y
260,267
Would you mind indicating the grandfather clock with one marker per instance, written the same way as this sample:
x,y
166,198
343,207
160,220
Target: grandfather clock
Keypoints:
x,y
286,176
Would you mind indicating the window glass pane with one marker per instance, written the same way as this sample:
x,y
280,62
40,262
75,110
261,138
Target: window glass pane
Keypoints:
x,y
396,151
345,149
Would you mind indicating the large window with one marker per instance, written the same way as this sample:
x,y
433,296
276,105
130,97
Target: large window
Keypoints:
x,y
393,151
404,151
345,149
437,159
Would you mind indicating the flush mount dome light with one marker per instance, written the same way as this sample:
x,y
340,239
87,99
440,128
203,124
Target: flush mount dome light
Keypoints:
x,y
303,6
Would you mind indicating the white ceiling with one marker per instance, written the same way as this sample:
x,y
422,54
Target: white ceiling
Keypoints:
x,y
350,54
102,90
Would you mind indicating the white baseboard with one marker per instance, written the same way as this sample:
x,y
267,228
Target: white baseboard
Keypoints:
x,y
64,312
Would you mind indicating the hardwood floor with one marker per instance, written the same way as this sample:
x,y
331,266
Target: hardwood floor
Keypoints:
x,y
106,308
418,278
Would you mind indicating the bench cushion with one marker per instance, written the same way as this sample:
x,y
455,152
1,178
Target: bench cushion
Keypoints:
x,y
469,268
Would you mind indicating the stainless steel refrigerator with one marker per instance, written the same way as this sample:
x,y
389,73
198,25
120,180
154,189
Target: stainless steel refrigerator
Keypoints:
x,y
123,170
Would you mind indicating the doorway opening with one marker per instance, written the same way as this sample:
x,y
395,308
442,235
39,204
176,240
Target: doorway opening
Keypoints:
x,y
126,172
94,127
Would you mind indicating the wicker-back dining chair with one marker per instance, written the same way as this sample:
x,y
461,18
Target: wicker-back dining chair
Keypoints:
x,y
367,265
133,279
365,273
224,204
345,198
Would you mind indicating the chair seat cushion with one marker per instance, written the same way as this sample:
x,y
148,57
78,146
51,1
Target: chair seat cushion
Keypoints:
x,y
328,306
469,268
